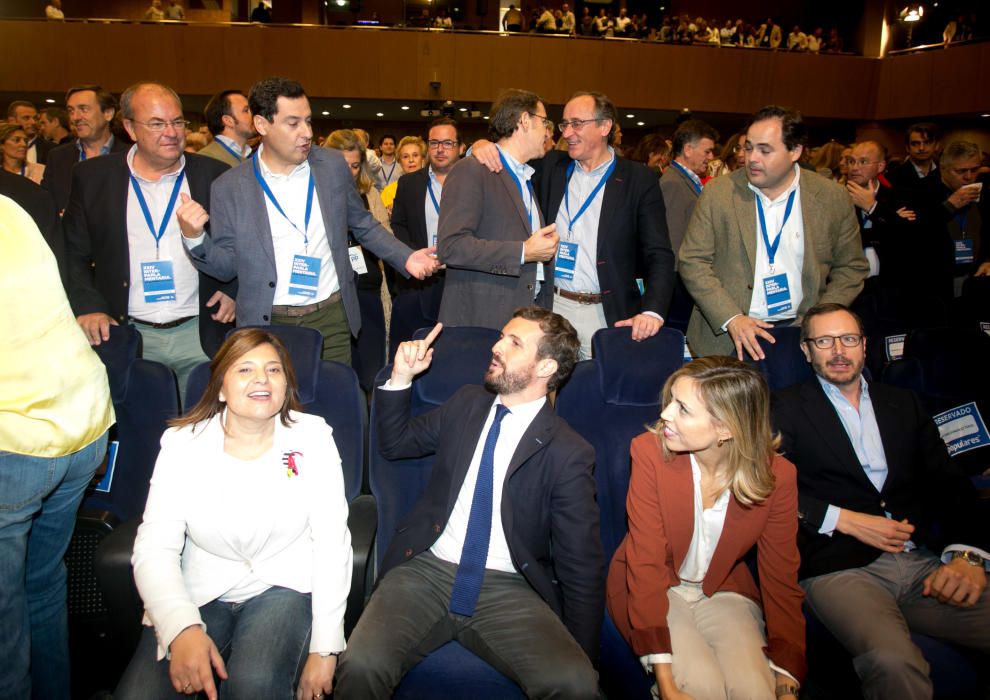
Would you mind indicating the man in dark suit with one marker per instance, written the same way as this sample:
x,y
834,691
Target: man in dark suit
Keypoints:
x,y
491,234
693,147
38,203
125,256
415,216
890,540
612,225
473,560
91,110
919,171
280,224
26,115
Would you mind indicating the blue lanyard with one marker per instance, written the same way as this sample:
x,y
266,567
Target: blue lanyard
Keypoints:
x,y
772,249
529,187
168,209
694,183
429,188
591,197
230,150
388,178
271,197
961,217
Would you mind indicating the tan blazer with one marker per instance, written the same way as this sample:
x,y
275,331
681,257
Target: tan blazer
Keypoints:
x,y
718,256
214,150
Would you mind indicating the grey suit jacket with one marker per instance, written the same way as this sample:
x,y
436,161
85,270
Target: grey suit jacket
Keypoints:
x,y
679,199
718,255
483,225
241,246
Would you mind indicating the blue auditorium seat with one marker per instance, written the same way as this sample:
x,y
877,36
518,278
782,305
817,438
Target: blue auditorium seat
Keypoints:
x,y
784,364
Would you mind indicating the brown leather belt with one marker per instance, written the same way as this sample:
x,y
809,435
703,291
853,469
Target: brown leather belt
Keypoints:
x,y
579,297
297,311
163,326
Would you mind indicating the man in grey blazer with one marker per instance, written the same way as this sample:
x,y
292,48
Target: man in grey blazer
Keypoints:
x,y
767,242
693,148
279,223
491,237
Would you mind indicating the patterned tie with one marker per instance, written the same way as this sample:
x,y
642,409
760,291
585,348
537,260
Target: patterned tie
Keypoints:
x,y
474,554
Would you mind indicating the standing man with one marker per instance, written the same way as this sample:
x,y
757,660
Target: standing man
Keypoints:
x,y
891,537
279,224
391,169
767,242
502,552
55,411
91,110
53,124
567,21
694,148
921,167
491,235
26,115
228,117
125,255
415,215
612,225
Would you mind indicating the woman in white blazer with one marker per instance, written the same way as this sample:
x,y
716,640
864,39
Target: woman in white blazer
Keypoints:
x,y
243,559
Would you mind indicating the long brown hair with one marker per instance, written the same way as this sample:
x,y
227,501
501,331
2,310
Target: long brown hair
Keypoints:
x,y
238,344
737,397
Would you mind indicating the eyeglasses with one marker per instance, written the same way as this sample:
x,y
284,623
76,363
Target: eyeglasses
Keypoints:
x,y
546,122
825,342
575,124
861,162
157,125
448,144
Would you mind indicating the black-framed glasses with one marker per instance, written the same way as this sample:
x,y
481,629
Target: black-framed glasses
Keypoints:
x,y
546,121
448,144
157,125
825,342
576,124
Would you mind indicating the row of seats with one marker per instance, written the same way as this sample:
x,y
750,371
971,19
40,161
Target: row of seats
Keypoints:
x,y
608,400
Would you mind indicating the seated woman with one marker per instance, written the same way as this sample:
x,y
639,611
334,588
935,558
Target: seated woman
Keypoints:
x,y
13,152
706,486
243,560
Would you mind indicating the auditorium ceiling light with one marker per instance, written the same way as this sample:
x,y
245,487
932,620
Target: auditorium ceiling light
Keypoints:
x,y
50,101
630,116
640,123
405,108
346,106
985,115
379,114
462,109
325,113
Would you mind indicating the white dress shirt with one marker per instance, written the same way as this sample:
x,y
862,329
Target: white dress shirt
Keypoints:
x,y
230,143
790,254
142,248
290,190
433,185
585,231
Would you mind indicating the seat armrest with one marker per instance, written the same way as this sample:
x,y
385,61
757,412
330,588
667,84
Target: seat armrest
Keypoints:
x,y
112,564
362,521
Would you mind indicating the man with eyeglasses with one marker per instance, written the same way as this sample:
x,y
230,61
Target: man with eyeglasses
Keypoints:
x,y
767,242
415,215
126,260
491,233
612,225
890,536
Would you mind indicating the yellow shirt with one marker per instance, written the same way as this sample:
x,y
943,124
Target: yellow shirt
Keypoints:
x,y
54,395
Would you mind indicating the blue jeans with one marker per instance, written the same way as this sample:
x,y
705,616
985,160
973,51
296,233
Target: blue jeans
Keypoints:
x,y
264,642
39,497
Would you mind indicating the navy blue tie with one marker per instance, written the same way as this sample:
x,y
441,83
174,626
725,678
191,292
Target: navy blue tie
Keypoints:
x,y
474,554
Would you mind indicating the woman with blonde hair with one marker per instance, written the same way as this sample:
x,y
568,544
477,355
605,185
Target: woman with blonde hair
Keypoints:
x,y
828,161
411,154
368,350
13,152
707,485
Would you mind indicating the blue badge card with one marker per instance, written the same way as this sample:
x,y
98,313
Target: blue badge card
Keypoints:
x,y
567,253
962,428
107,480
964,251
158,278
778,293
305,278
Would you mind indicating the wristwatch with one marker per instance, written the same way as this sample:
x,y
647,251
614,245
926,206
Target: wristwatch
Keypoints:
x,y
782,690
971,558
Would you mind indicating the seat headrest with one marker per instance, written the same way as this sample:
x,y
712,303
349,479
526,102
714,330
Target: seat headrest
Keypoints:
x,y
305,346
460,356
633,373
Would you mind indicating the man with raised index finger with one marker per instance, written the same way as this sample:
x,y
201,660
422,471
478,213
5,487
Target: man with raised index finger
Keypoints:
x,y
502,551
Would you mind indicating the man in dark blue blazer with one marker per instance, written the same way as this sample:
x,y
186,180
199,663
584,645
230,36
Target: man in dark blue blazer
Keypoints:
x,y
502,551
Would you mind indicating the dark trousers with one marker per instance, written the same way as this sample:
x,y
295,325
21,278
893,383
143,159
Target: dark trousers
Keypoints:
x,y
512,629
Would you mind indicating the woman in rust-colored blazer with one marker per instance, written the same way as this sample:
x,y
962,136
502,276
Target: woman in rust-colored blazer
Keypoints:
x,y
706,486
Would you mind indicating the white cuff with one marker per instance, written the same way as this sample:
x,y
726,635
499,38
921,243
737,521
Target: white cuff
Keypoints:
x,y
389,386
191,243
774,667
947,554
650,660
654,314
830,520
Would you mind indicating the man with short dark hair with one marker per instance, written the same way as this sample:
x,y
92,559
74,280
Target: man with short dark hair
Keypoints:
x,y
693,148
767,242
921,166
502,552
391,169
415,217
891,539
126,260
280,225
228,117
91,111
53,123
26,115
490,231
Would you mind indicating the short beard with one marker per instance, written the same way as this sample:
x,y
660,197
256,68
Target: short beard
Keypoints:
x,y
507,382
